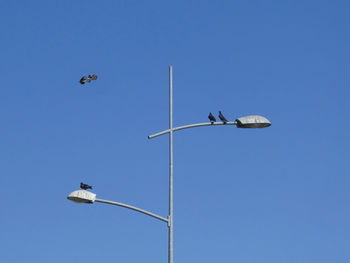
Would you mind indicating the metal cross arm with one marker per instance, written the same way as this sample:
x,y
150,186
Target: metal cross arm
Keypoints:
x,y
133,208
191,126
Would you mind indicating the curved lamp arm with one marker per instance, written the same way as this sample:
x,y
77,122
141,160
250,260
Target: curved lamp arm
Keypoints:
x,y
191,126
132,208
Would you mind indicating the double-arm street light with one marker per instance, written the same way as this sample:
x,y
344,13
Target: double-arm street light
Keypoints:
x,y
252,121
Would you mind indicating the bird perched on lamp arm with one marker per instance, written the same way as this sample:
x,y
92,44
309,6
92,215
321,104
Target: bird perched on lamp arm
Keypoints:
x,y
222,118
211,118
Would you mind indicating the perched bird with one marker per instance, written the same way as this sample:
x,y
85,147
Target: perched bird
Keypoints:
x,y
222,118
85,186
211,118
92,76
83,80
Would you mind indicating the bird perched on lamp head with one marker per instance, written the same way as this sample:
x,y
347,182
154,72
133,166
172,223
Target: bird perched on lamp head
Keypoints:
x,y
85,186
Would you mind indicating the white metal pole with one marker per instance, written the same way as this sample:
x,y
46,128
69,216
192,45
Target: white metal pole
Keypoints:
x,y
170,219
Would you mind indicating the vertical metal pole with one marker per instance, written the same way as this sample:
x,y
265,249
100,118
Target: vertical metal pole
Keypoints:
x,y
170,222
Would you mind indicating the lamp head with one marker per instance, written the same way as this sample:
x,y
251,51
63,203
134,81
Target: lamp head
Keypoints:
x,y
82,196
252,121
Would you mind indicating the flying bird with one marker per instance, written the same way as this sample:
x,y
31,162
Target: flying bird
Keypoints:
x,y
222,118
85,186
211,118
85,79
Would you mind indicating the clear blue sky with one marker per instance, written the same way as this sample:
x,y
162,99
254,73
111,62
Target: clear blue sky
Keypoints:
x,y
277,195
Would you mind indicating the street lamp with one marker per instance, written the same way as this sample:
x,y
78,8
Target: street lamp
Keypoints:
x,y
251,121
83,196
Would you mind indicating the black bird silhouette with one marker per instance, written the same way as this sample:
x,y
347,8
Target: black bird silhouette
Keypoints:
x,y
211,118
85,186
222,118
83,80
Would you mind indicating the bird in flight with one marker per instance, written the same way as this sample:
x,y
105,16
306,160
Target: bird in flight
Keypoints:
x,y
85,79
211,118
85,186
222,118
